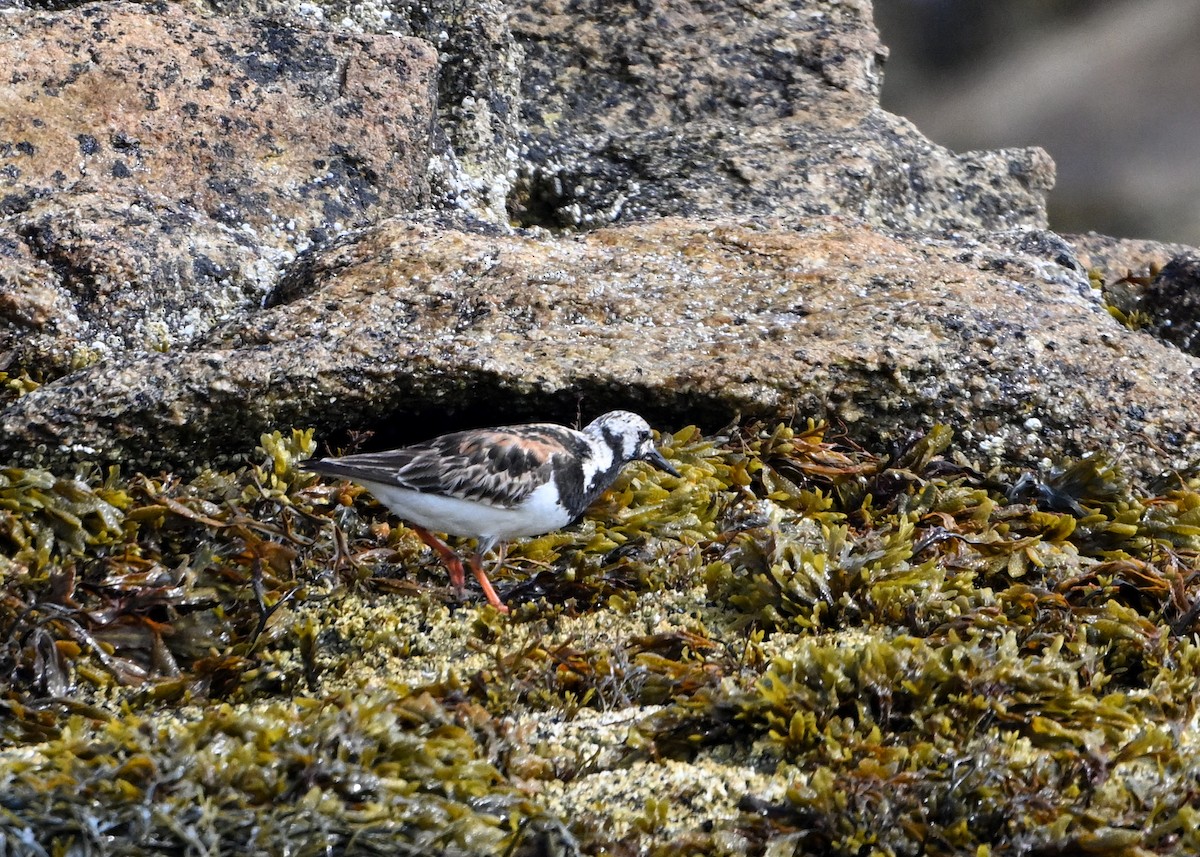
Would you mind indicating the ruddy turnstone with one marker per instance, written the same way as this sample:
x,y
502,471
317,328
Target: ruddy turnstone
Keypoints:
x,y
500,483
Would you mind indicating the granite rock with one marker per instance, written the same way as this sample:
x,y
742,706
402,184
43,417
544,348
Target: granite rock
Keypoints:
x,y
408,328
782,247
283,130
87,275
158,167
575,115
703,110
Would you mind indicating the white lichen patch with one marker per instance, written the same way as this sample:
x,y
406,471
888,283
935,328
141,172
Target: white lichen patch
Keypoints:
x,y
660,800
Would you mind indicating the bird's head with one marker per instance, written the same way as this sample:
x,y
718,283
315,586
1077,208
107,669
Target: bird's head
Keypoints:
x,y
630,438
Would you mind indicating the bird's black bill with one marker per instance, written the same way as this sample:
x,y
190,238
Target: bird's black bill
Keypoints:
x,y
656,458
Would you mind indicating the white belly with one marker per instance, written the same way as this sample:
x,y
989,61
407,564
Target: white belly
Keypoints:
x,y
539,514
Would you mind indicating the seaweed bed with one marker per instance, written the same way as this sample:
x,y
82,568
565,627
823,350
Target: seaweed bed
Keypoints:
x,y
800,647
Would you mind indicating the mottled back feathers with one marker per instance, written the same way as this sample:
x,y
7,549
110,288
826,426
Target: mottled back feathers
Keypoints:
x,y
500,466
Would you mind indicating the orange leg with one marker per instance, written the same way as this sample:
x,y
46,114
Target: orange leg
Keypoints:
x,y
449,558
480,575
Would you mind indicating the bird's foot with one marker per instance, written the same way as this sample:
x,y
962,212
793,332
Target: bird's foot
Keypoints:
x,y
481,576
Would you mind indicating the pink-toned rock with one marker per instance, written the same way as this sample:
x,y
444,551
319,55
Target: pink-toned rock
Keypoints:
x,y
409,327
1114,258
283,129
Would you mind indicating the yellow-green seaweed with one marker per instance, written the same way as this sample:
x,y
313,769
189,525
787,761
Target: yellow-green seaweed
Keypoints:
x,y
895,652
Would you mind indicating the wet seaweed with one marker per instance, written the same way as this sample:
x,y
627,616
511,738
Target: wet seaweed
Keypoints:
x,y
926,657
394,774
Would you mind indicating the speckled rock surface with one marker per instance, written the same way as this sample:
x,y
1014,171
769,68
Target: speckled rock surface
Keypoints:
x,y
480,68
284,130
1114,258
159,166
411,327
574,115
416,326
87,275
681,108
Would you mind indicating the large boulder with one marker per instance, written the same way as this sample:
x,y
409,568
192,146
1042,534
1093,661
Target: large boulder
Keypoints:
x,y
411,327
278,128
778,244
158,167
709,109
575,115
